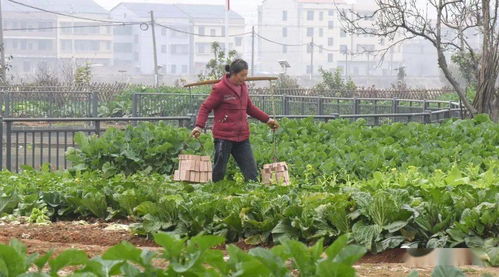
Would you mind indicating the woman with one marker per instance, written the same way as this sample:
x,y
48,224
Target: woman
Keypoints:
x,y
230,101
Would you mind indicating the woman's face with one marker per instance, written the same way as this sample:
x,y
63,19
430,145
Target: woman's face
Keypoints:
x,y
240,77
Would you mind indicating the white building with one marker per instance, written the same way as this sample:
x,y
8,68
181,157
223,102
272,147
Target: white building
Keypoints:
x,y
298,23
184,34
37,39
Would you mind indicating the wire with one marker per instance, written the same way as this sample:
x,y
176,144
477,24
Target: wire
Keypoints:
x,y
67,15
200,35
280,43
71,27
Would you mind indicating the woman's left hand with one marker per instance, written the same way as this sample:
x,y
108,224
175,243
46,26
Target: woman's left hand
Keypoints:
x,y
273,124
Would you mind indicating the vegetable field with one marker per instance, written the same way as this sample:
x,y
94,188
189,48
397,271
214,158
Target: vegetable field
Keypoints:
x,y
355,189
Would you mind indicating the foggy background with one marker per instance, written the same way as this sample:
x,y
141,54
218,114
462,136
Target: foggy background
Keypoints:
x,y
284,31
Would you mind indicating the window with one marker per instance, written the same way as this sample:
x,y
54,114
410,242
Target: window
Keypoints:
x,y
330,57
310,15
163,49
309,69
23,44
330,24
321,16
309,48
223,31
66,45
44,45
108,45
179,49
87,45
343,33
343,49
66,28
331,12
184,68
123,47
201,30
284,32
320,48
239,41
310,32
213,32
321,32
284,49
174,68
284,15
330,42
123,30
203,48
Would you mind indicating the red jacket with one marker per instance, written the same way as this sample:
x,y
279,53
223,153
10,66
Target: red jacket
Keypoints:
x,y
231,105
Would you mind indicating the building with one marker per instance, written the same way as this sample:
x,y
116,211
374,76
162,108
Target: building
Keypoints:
x,y
312,37
184,34
41,40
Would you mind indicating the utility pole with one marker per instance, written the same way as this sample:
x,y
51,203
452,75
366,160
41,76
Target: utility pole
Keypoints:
x,y
346,63
253,51
311,58
227,30
156,74
3,70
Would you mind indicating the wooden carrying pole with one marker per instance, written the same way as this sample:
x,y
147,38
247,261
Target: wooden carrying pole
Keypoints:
x,y
211,82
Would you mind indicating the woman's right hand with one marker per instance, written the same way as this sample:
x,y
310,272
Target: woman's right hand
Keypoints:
x,y
196,132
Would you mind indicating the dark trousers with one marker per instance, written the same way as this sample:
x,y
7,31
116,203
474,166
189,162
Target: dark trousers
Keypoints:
x,y
242,153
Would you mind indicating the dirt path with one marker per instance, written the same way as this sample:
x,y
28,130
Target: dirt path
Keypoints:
x,y
96,238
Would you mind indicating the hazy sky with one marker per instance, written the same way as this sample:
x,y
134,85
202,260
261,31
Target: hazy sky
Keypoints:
x,y
246,8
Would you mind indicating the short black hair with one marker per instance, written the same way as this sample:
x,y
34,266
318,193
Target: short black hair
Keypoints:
x,y
236,66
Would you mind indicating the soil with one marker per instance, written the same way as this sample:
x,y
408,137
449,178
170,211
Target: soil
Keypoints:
x,y
95,238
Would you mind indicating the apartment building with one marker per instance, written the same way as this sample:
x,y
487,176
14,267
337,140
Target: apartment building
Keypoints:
x,y
184,35
37,39
298,24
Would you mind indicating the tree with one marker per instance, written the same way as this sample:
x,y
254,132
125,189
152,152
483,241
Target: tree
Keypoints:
x,y
400,84
216,66
334,82
452,27
286,82
83,75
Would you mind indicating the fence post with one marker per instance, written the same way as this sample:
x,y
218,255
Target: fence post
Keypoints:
x,y
376,121
135,104
97,127
427,117
356,105
335,116
395,105
94,104
285,102
7,104
425,105
321,105
1,143
192,120
8,146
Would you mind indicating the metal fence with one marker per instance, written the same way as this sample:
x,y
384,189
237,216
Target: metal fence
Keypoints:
x,y
48,104
37,141
418,94
26,101
160,104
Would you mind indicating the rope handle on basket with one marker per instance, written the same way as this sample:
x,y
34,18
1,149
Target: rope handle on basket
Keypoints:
x,y
274,142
